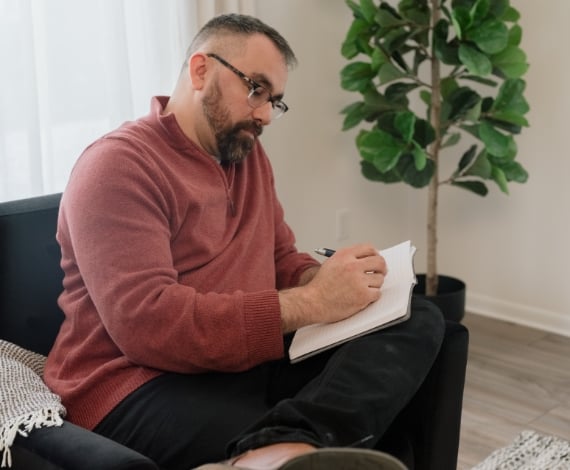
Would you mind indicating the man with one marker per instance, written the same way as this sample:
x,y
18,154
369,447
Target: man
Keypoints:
x,y
182,284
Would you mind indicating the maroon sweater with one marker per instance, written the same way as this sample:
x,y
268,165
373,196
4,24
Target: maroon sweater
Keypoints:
x,y
172,263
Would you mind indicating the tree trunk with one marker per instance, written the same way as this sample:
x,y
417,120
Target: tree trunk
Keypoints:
x,y
435,115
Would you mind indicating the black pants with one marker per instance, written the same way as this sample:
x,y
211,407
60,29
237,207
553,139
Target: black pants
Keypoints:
x,y
342,397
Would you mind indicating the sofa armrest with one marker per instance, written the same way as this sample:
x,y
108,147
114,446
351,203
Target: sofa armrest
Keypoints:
x,y
425,435
71,447
437,408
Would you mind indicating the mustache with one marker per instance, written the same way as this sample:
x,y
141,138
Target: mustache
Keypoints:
x,y
250,126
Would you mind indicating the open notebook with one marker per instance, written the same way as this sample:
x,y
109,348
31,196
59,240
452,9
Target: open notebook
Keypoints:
x,y
392,307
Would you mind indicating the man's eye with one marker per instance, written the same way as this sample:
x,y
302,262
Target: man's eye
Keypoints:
x,y
259,92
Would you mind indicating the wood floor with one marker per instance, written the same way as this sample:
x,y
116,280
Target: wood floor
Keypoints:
x,y
517,378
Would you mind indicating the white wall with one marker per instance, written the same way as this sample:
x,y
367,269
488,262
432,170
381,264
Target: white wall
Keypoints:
x,y
510,250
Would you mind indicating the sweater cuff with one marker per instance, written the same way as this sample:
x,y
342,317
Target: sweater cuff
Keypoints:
x,y
262,319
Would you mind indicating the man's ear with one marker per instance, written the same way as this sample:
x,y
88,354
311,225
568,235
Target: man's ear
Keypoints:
x,y
197,68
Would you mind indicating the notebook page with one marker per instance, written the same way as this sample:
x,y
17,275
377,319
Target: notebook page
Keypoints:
x,y
393,304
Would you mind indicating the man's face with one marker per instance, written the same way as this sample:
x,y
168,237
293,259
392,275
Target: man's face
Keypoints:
x,y
233,122
234,142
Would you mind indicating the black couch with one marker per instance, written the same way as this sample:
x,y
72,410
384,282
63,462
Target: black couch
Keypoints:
x,y
425,436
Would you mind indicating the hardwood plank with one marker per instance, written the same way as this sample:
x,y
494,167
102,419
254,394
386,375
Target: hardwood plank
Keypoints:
x,y
517,378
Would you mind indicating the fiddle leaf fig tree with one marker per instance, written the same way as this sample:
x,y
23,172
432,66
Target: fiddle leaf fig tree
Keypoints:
x,y
438,79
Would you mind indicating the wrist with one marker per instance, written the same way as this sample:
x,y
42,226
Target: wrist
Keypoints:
x,y
299,308
308,275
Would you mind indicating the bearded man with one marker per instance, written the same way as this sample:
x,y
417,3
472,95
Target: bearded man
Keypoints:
x,y
183,285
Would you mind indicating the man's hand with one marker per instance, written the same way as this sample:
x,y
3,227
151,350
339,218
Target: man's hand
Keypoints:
x,y
345,284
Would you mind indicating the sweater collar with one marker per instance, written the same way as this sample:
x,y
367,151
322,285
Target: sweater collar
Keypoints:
x,y
168,124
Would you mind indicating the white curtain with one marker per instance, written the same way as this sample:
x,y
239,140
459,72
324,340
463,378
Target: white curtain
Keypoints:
x,y
72,70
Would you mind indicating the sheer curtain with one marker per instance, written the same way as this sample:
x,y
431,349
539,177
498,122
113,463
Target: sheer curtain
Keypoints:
x,y
74,70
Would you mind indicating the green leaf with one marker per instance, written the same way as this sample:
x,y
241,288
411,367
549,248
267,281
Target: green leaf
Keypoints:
x,y
498,8
378,59
510,117
425,96
354,7
461,20
356,76
411,175
420,157
397,92
379,148
405,124
378,103
481,167
448,85
479,11
511,61
444,51
496,143
424,133
515,35
476,187
387,19
483,81
368,10
452,140
370,172
395,39
388,72
476,62
487,104
491,37
504,125
354,115
514,172
466,158
419,58
461,101
474,114
510,98
416,12
350,47
511,14
499,177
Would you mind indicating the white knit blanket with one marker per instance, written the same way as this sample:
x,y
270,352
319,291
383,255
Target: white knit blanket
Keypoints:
x,y
530,451
25,401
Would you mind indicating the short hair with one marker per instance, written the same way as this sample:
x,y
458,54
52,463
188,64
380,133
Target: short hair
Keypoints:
x,y
241,25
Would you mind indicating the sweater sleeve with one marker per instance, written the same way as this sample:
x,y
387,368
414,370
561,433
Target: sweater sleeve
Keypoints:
x,y
115,232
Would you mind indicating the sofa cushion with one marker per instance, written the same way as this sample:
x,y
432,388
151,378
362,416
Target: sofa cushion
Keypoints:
x,y
26,403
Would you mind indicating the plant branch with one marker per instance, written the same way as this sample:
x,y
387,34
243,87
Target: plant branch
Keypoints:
x,y
435,118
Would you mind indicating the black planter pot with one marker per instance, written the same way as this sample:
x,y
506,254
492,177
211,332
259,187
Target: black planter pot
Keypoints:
x,y
450,296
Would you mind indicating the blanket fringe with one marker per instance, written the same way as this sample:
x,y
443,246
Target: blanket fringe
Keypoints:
x,y
23,425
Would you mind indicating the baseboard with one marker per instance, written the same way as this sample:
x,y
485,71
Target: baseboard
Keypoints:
x,y
553,322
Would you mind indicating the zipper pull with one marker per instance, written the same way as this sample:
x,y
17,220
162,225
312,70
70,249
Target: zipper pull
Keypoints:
x,y
232,207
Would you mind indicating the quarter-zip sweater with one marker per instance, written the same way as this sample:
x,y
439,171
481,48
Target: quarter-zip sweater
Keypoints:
x,y
172,262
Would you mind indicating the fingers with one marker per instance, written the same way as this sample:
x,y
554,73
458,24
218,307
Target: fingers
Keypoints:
x,y
374,264
374,280
368,258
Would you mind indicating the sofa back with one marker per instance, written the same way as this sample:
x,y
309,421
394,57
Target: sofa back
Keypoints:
x,y
30,272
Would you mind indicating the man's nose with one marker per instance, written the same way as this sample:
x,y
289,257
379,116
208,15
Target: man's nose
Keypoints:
x,y
264,113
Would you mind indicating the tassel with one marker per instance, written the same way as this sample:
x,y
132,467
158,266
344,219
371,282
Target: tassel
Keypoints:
x,y
23,425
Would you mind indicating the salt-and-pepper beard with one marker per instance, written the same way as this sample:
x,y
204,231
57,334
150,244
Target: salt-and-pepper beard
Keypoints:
x,y
232,147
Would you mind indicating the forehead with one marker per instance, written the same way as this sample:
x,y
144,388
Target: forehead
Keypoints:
x,y
260,59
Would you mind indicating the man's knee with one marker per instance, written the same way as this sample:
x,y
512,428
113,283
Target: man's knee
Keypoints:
x,y
427,320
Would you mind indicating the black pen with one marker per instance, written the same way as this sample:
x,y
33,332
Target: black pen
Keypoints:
x,y
325,252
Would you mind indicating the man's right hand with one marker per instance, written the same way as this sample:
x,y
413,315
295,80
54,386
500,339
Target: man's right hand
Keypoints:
x,y
345,283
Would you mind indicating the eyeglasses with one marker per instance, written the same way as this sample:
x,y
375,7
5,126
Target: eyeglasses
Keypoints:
x,y
258,95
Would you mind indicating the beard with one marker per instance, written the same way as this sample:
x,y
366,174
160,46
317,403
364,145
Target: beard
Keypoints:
x,y
233,146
